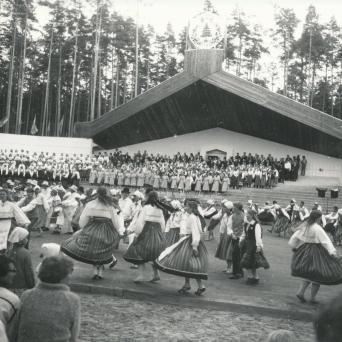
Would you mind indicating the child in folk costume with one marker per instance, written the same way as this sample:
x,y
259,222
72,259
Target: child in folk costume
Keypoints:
x,y
188,257
173,224
252,255
55,215
149,240
100,229
224,250
24,278
315,259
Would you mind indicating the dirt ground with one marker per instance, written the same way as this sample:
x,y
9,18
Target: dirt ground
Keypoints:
x,y
106,318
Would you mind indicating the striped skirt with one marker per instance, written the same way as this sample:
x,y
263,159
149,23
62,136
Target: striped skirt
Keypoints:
x,y
281,224
172,236
312,262
250,258
94,244
41,217
147,246
338,233
179,260
225,248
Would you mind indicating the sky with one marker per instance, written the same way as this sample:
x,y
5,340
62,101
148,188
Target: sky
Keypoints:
x,y
159,12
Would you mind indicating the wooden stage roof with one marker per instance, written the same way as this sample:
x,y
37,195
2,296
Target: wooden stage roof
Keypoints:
x,y
202,97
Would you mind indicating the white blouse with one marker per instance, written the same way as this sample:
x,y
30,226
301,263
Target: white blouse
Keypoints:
x,y
312,234
191,225
10,209
174,221
97,209
257,231
151,214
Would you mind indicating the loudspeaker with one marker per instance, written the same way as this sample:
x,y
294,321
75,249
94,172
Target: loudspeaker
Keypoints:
x,y
321,192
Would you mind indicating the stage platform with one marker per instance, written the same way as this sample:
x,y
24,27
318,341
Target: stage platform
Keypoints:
x,y
275,295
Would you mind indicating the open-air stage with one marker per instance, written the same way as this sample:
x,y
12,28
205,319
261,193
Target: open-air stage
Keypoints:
x,y
275,295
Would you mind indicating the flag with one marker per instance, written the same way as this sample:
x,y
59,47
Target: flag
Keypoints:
x,y
34,128
61,126
3,121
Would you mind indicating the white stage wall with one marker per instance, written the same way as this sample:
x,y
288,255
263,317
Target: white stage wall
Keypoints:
x,y
39,144
231,142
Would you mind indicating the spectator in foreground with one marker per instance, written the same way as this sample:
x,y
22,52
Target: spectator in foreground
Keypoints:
x,y
9,302
49,312
328,323
281,336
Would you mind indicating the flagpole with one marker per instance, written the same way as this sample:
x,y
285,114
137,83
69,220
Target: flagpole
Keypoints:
x,y
136,52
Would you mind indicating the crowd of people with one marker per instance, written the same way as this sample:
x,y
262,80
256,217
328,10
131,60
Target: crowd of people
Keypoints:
x,y
169,234
183,173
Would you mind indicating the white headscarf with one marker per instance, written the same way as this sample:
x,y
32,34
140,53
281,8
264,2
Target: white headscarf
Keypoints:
x,y
18,235
176,204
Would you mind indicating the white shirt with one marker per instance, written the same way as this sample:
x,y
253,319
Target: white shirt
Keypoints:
x,y
191,225
224,227
98,209
174,221
312,234
71,201
126,207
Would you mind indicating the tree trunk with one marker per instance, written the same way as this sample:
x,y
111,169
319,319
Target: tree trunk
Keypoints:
x,y
71,114
325,86
10,76
117,83
99,90
47,86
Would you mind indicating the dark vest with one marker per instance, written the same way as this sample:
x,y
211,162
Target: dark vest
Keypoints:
x,y
250,232
33,213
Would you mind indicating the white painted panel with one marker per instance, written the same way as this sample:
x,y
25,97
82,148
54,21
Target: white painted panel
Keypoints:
x,y
231,142
51,145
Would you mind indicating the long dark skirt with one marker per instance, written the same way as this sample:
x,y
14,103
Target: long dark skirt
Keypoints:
x,y
172,236
147,246
181,261
225,249
213,224
233,182
266,217
41,217
251,258
312,261
94,244
281,224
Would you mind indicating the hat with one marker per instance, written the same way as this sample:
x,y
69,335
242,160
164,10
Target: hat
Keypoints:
x,y
34,182
249,201
267,202
293,201
211,202
37,187
316,203
73,188
125,190
18,234
224,201
45,183
138,194
229,205
9,181
176,204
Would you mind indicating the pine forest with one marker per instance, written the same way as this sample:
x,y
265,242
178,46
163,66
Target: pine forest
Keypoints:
x,y
79,66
